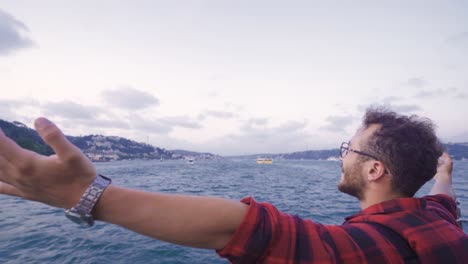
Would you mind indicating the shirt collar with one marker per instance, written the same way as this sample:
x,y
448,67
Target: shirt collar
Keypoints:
x,y
390,206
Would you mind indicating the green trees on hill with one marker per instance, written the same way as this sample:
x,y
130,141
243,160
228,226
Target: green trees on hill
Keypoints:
x,y
25,137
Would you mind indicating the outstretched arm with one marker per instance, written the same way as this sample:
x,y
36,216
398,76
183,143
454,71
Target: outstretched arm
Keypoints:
x,y
61,179
443,177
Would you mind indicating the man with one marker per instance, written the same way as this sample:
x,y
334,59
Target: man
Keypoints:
x,y
388,159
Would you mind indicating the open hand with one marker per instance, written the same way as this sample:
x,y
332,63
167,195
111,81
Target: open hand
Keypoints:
x,y
444,166
58,180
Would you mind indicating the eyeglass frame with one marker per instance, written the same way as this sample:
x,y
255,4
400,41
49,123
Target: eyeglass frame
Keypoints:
x,y
344,148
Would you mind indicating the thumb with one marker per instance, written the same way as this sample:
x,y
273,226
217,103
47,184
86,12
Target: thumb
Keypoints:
x,y
54,137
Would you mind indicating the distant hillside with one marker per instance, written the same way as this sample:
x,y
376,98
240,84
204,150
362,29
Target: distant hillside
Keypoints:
x,y
105,148
25,137
300,155
458,151
96,147
193,154
312,154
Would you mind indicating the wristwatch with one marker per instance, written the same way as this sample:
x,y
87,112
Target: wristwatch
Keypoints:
x,y
81,212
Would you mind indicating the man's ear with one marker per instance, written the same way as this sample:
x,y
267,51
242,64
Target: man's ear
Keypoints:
x,y
375,170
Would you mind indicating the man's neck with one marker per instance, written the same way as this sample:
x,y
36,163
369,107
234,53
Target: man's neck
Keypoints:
x,y
376,198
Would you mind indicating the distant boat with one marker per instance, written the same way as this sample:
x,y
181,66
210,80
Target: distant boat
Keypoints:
x,y
264,160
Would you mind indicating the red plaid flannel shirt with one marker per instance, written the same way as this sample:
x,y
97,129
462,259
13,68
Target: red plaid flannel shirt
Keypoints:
x,y
405,230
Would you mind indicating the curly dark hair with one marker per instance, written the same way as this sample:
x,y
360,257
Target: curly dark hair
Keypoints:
x,y
406,145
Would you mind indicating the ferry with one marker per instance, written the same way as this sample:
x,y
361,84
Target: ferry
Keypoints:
x,y
264,161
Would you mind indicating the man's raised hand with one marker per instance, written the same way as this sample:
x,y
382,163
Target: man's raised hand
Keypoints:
x,y
58,180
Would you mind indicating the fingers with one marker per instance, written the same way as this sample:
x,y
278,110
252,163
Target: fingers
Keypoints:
x,y
10,151
445,164
54,137
446,157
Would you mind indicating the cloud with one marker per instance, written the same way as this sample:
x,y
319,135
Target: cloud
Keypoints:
x,y
69,110
254,122
458,40
257,128
162,125
453,52
7,108
19,109
459,138
216,114
416,82
256,137
12,34
93,126
391,99
338,123
129,98
389,103
291,126
68,113
447,92
96,117
107,123
404,108
180,121
460,95
150,126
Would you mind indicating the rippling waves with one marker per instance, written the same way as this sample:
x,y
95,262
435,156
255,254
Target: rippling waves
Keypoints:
x,y
34,233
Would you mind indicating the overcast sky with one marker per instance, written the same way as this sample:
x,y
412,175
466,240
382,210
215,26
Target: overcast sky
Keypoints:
x,y
233,77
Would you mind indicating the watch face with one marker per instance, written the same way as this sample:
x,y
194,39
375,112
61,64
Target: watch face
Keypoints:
x,y
83,220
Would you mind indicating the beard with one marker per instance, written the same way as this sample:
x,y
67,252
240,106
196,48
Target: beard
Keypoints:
x,y
352,182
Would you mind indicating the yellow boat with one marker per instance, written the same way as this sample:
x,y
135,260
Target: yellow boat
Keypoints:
x,y
264,161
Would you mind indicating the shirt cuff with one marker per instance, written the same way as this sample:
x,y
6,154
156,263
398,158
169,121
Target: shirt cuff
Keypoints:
x,y
235,246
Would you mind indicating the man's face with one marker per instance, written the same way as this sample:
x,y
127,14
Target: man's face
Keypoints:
x,y
353,179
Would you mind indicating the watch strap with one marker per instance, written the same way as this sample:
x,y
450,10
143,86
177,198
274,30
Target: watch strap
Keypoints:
x,y
92,194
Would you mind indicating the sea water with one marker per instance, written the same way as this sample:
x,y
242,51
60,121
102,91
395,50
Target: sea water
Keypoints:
x,y
34,233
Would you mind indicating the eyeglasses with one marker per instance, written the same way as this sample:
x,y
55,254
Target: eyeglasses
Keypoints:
x,y
344,148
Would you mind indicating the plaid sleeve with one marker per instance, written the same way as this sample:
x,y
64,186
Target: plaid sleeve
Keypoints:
x,y
443,205
249,241
269,236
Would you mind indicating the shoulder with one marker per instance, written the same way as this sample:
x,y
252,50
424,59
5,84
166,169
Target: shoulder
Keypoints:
x,y
443,205
285,230
440,200
270,215
271,219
